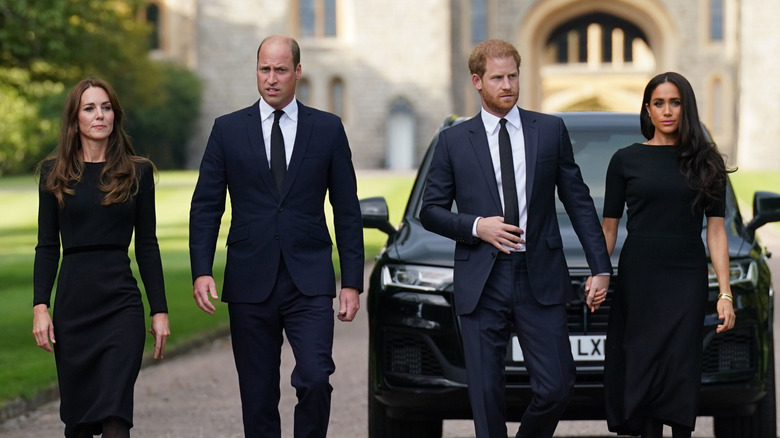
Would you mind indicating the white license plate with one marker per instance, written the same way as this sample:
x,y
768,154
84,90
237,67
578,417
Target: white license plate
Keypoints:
x,y
583,348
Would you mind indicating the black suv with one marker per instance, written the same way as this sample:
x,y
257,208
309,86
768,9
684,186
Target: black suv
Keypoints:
x,y
416,365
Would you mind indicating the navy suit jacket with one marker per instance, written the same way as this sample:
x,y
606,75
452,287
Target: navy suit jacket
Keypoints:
x,y
265,224
462,171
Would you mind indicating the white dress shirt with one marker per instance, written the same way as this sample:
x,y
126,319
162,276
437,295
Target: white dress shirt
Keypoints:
x,y
515,129
288,123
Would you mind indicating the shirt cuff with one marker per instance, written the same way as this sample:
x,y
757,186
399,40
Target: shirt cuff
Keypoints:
x,y
474,227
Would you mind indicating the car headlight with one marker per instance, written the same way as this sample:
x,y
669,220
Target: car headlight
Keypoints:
x,y
425,278
741,273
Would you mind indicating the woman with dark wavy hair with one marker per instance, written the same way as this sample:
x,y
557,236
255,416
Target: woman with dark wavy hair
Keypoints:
x,y
668,184
95,193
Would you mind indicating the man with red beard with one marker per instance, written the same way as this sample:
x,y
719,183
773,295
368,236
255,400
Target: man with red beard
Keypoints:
x,y
502,168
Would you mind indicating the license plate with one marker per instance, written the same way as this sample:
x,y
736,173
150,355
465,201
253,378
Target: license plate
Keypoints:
x,y
583,348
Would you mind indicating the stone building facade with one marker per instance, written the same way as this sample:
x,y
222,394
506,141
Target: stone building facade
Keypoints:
x,y
394,69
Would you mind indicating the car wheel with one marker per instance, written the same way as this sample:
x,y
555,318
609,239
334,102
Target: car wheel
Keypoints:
x,y
382,426
763,422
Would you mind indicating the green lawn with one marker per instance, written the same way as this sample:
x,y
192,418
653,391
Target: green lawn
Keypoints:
x,y
26,369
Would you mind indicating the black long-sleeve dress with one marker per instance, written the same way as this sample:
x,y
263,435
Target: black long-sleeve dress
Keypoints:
x,y
654,337
98,311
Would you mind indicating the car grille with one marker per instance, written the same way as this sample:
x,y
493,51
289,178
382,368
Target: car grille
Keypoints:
x,y
408,354
731,351
579,318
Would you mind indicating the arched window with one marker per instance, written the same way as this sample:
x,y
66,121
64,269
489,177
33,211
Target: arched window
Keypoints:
x,y
306,18
303,91
478,21
336,97
153,18
594,38
716,18
317,18
400,153
329,17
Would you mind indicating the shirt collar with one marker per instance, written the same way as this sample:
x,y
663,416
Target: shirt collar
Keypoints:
x,y
491,122
291,110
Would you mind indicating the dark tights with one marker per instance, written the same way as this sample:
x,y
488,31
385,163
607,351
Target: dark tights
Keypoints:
x,y
654,429
112,428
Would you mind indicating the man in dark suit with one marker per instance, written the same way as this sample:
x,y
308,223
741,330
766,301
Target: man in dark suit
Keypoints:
x,y
278,159
501,168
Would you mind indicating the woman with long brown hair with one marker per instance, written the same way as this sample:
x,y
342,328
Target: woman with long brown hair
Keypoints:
x,y
669,184
94,194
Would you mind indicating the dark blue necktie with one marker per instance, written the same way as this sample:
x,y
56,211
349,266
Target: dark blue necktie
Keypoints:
x,y
278,158
511,209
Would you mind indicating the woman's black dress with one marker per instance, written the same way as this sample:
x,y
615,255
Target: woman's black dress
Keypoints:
x,y
98,312
654,337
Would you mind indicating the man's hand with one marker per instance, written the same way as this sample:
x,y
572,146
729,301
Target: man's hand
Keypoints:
x,y
596,291
494,231
203,289
349,303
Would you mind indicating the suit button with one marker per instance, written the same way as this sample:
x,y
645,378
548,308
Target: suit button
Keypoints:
x,y
276,236
281,209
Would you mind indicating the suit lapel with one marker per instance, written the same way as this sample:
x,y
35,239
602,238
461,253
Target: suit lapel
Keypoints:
x,y
302,137
254,128
478,138
531,136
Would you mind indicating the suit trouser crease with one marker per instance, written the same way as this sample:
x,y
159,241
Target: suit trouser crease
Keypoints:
x,y
256,330
543,335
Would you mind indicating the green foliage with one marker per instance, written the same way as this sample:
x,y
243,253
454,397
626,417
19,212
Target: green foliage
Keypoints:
x,y
26,369
46,47
26,131
84,36
161,130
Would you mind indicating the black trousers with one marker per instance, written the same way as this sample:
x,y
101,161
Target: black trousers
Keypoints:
x,y
256,331
543,335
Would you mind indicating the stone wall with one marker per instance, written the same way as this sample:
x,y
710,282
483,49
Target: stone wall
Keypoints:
x,y
759,89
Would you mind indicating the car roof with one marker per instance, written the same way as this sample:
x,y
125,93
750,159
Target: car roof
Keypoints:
x,y
599,120
582,120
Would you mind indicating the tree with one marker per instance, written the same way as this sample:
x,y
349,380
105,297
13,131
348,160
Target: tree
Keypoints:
x,y
161,131
46,47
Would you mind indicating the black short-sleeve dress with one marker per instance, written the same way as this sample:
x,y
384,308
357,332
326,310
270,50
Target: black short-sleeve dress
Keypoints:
x,y
98,311
653,353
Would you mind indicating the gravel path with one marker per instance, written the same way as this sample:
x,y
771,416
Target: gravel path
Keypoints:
x,y
195,394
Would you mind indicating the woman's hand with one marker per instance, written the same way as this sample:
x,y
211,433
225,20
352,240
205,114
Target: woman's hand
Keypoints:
x,y
160,330
726,314
43,328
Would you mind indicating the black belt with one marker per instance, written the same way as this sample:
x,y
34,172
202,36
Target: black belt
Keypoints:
x,y
88,248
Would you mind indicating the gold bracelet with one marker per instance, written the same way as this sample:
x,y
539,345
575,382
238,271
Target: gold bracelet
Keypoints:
x,y
725,296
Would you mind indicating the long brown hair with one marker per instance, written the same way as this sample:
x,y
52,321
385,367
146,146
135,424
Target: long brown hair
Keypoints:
x,y
64,167
700,162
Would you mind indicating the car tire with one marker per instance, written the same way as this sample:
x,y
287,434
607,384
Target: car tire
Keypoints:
x,y
762,423
382,426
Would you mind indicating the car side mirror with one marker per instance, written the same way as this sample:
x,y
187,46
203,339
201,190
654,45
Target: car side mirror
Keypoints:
x,y
375,215
766,209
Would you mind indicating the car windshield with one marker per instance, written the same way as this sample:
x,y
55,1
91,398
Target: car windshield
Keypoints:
x,y
592,151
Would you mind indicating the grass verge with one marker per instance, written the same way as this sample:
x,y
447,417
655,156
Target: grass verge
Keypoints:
x,y
26,370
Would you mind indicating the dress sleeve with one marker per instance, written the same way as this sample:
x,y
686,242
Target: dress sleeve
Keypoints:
x,y
47,251
615,188
718,209
147,250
